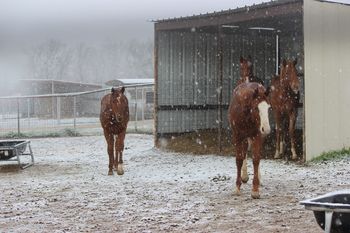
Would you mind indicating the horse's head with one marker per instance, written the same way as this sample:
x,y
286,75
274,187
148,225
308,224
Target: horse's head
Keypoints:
x,y
246,68
119,104
289,76
260,109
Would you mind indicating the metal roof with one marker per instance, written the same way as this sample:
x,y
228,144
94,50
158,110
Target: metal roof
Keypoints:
x,y
230,11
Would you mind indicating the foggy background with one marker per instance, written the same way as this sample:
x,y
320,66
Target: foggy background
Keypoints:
x,y
90,41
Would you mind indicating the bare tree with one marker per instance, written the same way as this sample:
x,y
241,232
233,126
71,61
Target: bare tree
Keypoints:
x,y
50,60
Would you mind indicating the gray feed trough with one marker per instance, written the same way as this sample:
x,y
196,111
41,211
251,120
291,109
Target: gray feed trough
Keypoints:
x,y
332,211
13,150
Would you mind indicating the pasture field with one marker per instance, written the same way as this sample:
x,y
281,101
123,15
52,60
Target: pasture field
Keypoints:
x,y
68,190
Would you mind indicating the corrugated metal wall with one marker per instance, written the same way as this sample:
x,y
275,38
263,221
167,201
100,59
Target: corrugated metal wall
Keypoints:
x,y
188,75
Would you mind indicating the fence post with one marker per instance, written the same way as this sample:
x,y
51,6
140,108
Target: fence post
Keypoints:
x,y
18,119
135,109
143,103
28,111
58,109
75,111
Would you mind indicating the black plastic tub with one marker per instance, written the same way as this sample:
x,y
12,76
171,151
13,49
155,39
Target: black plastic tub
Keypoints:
x,y
8,149
332,211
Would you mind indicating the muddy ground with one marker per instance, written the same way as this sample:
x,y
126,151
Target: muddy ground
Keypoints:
x,y
68,190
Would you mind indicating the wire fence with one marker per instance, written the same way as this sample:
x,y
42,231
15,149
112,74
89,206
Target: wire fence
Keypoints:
x,y
52,114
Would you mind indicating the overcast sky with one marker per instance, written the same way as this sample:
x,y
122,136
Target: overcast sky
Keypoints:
x,y
129,17
25,18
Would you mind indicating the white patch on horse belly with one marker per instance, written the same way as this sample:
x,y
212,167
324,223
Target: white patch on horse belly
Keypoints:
x,y
264,117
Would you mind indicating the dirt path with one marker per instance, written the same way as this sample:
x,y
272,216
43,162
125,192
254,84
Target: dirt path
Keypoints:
x,y
68,190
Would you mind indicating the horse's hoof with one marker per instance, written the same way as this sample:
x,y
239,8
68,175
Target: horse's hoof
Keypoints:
x,y
245,179
110,173
120,170
277,156
237,192
255,194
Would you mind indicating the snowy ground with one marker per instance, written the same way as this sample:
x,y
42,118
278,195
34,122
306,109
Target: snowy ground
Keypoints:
x,y
68,190
85,126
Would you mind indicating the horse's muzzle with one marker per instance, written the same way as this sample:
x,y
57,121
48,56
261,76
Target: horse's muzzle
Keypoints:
x,y
265,130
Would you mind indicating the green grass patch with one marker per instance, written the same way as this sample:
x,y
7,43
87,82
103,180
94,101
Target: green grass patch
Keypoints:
x,y
332,155
62,133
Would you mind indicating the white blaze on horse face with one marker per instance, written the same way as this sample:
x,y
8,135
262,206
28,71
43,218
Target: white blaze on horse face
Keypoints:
x,y
264,117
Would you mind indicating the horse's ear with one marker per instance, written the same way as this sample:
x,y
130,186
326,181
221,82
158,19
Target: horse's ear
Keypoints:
x,y
122,89
267,92
284,62
256,93
295,61
113,90
250,62
241,60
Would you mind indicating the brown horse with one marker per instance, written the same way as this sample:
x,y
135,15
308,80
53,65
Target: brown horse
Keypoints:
x,y
284,99
114,119
246,72
248,118
247,76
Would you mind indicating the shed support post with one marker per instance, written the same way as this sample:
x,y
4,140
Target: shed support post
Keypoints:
x,y
277,54
220,78
156,47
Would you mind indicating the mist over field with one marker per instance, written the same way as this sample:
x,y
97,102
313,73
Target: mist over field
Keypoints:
x,y
86,41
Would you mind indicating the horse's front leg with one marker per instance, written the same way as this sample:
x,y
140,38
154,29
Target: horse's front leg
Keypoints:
x,y
256,149
245,145
110,149
292,121
119,152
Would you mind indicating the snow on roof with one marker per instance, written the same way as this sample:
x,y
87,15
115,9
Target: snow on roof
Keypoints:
x,y
58,81
345,2
137,81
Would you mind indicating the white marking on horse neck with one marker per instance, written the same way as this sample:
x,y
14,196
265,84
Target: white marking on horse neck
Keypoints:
x,y
264,118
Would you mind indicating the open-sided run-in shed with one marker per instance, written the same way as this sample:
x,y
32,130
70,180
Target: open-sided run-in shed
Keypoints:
x,y
197,66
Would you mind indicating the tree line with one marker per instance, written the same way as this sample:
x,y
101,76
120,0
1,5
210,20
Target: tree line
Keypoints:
x,y
90,62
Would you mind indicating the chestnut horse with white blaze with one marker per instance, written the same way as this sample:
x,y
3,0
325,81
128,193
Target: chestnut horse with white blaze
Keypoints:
x,y
114,118
247,76
284,99
248,118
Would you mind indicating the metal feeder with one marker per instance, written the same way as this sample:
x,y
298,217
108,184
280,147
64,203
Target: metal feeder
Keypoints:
x,y
332,211
12,150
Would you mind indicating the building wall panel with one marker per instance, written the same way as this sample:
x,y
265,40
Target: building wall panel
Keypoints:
x,y
327,92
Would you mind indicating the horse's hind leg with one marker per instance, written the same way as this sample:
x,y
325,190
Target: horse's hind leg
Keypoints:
x,y
119,152
110,149
292,121
278,136
239,162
